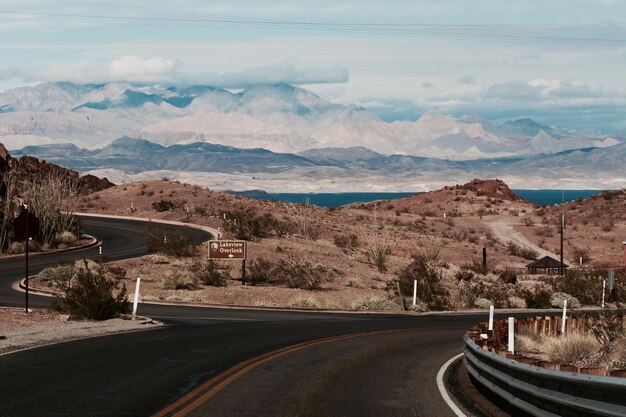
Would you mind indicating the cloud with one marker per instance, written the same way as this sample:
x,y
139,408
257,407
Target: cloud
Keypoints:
x,y
9,72
133,67
468,79
427,85
274,74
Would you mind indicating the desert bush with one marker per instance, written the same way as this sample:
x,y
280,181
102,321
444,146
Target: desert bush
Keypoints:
x,y
483,303
58,276
260,271
581,284
163,205
475,266
464,275
65,237
304,303
159,259
117,272
578,252
425,271
211,273
377,304
92,296
517,302
378,246
496,291
557,299
417,308
301,274
347,242
169,241
606,328
508,277
180,279
19,247
537,298
570,348
514,249
302,216
354,283
248,225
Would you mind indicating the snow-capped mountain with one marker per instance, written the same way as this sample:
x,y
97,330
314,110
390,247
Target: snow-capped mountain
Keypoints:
x,y
279,118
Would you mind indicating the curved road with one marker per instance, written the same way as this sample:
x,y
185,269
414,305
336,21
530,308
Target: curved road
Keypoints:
x,y
209,362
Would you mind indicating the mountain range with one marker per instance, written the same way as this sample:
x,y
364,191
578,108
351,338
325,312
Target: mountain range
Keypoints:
x,y
282,129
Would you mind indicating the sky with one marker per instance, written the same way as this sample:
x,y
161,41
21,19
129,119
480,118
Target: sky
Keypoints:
x,y
558,62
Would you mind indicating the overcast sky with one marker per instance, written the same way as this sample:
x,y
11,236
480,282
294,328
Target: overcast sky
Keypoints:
x,y
559,62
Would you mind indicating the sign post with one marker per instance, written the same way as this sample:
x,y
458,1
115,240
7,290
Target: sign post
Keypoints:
x,y
26,226
229,250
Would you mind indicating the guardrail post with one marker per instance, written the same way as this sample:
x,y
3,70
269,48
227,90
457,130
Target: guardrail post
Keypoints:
x,y
136,298
564,317
414,291
491,308
511,334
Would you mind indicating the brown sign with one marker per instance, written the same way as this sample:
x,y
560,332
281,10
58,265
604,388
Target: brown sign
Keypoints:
x,y
227,249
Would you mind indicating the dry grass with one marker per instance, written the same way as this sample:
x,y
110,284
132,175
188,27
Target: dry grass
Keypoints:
x,y
569,349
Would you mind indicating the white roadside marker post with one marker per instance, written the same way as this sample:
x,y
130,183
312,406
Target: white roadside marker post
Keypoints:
x,y
491,309
564,317
511,334
603,291
136,298
414,291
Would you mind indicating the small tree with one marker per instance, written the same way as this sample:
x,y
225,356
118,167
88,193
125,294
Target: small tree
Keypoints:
x,y
89,295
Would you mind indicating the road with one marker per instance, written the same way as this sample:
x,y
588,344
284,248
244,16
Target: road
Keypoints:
x,y
503,229
388,372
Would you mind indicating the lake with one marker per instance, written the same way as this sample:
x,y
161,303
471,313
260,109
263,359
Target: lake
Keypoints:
x,y
544,197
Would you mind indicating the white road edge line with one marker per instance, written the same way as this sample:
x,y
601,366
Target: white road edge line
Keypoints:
x,y
442,388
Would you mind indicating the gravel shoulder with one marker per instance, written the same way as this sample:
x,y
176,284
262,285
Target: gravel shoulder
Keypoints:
x,y
20,330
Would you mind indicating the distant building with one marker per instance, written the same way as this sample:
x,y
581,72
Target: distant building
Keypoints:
x,y
546,265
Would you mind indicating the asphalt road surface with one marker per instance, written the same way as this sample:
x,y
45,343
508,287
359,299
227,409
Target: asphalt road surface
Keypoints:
x,y
229,362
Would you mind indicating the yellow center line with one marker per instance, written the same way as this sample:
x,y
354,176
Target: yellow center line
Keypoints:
x,y
214,385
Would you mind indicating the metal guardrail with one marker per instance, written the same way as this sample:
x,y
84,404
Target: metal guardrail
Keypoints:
x,y
544,392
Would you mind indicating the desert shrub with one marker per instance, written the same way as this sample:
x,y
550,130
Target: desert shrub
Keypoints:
x,y
495,291
169,241
354,283
475,266
248,224
514,249
378,246
579,252
508,277
425,271
483,303
65,237
159,259
92,296
58,276
464,275
304,303
537,298
260,271
570,348
301,274
163,205
378,304
348,242
517,302
581,284
179,279
19,247
117,272
211,273
418,308
606,328
557,299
